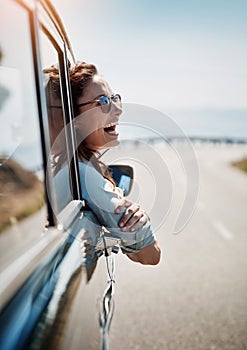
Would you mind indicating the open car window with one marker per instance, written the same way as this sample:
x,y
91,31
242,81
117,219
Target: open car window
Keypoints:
x,y
55,121
56,114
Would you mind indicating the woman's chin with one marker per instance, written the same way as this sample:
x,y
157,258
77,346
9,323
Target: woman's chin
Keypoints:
x,y
111,140
110,144
114,143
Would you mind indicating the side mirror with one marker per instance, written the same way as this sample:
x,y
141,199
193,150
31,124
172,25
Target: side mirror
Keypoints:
x,y
123,176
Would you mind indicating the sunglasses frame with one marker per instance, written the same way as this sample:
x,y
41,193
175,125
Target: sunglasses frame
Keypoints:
x,y
104,105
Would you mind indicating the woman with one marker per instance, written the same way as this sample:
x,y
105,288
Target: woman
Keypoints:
x,y
97,113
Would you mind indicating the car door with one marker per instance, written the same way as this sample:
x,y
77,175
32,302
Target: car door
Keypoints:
x,y
52,278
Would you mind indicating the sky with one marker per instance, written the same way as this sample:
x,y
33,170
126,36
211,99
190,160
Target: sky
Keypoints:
x,y
179,57
166,54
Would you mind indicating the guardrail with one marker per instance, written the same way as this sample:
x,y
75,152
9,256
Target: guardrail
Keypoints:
x,y
193,139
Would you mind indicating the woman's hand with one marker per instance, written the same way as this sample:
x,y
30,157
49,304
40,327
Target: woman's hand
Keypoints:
x,y
133,218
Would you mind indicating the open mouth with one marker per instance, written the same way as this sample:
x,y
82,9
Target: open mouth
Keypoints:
x,y
111,129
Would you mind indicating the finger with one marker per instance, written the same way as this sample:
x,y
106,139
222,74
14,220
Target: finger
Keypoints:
x,y
133,220
118,209
139,223
128,214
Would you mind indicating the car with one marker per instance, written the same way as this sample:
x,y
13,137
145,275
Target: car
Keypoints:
x,y
53,283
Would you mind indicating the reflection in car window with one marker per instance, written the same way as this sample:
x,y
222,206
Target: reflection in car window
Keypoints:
x,y
56,118
21,170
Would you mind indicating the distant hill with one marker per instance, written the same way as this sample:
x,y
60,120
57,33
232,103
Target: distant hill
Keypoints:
x,y
21,192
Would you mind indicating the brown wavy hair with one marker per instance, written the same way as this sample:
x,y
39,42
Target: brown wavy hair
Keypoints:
x,y
80,76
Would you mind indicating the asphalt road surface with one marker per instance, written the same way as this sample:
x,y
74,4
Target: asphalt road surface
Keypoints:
x,y
196,298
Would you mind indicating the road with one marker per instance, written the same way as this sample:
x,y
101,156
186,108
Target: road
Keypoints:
x,y
196,298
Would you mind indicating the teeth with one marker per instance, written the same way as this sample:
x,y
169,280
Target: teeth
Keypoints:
x,y
111,124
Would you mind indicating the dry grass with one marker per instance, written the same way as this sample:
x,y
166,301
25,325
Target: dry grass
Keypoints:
x,y
241,164
22,193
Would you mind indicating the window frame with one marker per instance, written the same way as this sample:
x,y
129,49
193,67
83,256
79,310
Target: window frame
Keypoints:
x,y
67,106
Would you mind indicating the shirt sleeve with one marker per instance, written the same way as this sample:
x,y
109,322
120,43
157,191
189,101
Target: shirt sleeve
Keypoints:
x,y
102,197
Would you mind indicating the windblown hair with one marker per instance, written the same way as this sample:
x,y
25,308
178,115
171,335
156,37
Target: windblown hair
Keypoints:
x,y
80,76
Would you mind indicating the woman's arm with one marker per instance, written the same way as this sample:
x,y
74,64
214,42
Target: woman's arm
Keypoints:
x,y
140,245
149,255
133,218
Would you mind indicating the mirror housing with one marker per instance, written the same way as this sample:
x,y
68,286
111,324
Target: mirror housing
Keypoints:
x,y
123,176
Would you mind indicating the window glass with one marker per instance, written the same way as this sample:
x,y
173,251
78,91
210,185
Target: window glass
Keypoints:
x,y
57,155
22,204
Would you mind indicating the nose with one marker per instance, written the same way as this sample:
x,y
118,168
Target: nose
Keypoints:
x,y
116,110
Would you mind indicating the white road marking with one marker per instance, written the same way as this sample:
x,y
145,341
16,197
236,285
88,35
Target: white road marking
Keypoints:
x,y
222,230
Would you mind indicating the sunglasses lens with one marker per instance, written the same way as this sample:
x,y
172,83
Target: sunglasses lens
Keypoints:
x,y
105,104
117,99
104,100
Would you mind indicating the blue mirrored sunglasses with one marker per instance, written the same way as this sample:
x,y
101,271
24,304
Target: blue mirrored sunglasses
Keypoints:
x,y
105,102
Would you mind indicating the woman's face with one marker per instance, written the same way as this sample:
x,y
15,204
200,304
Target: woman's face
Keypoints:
x,y
101,126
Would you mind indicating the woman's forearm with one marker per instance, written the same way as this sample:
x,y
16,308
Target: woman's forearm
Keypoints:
x,y
149,255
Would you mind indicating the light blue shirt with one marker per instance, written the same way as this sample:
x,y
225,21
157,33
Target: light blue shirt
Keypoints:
x,y
102,197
